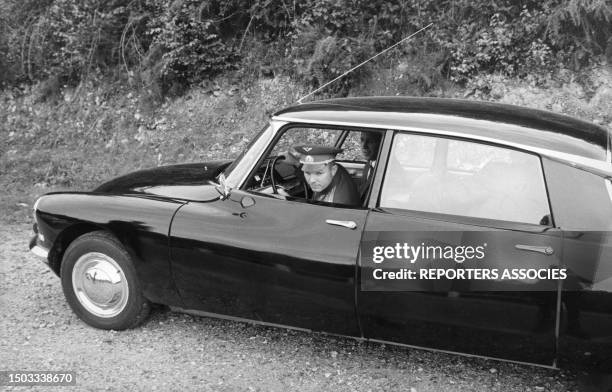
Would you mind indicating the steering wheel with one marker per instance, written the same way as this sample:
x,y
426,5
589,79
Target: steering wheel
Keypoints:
x,y
272,168
274,181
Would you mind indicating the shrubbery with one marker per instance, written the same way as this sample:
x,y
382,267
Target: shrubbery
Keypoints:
x,y
189,46
167,45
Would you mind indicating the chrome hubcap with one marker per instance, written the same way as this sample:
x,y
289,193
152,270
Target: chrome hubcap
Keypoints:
x,y
99,284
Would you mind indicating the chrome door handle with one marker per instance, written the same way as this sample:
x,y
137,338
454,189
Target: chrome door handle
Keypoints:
x,y
546,250
348,224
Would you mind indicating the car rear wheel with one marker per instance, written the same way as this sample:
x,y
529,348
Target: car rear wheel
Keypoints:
x,y
100,283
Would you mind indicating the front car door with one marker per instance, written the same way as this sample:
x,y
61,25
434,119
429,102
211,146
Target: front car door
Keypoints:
x,y
475,211
262,256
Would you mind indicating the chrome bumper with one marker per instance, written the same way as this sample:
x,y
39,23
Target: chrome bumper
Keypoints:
x,y
37,249
40,251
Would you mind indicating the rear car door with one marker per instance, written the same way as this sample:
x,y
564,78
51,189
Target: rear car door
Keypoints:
x,y
582,203
476,212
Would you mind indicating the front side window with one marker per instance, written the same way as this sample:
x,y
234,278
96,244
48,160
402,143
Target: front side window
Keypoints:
x,y
458,177
317,164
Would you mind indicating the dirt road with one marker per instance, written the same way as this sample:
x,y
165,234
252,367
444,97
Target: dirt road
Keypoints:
x,y
178,352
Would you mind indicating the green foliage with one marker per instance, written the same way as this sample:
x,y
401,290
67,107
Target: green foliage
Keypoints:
x,y
6,75
192,51
579,29
319,58
70,39
64,39
168,45
509,43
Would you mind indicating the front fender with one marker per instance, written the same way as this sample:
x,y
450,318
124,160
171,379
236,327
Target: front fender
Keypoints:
x,y
140,223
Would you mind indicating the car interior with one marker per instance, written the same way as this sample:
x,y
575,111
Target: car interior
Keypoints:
x,y
280,176
424,173
455,177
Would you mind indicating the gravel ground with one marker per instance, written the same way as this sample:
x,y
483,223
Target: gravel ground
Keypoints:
x,y
173,351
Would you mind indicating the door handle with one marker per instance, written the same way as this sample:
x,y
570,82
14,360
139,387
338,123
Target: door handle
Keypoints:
x,y
348,224
546,250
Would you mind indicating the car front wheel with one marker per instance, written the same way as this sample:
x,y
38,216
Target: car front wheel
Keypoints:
x,y
100,283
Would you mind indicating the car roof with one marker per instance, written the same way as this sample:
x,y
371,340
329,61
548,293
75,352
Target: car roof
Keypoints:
x,y
493,121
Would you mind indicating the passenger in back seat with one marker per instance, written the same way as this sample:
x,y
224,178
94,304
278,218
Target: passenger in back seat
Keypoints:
x,y
370,144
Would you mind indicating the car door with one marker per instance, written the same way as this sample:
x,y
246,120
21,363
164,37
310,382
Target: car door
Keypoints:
x,y
271,258
276,261
472,209
582,202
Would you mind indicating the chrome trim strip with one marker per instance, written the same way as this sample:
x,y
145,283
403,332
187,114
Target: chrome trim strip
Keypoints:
x,y
35,206
436,350
608,183
40,251
609,152
601,168
202,313
360,339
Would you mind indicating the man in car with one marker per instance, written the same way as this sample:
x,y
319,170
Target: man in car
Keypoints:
x,y
329,181
370,144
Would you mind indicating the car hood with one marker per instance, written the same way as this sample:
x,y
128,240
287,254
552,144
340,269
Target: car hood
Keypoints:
x,y
186,181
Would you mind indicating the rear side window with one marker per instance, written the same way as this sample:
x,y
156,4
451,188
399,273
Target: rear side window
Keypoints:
x,y
580,200
457,177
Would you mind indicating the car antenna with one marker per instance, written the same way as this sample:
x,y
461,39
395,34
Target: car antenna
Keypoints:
x,y
299,101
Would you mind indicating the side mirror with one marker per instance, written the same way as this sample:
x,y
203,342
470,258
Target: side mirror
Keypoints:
x,y
223,189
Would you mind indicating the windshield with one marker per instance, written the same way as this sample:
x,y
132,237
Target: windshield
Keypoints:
x,y
238,169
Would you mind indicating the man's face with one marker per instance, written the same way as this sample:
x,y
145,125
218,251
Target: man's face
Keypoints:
x,y
370,142
319,176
